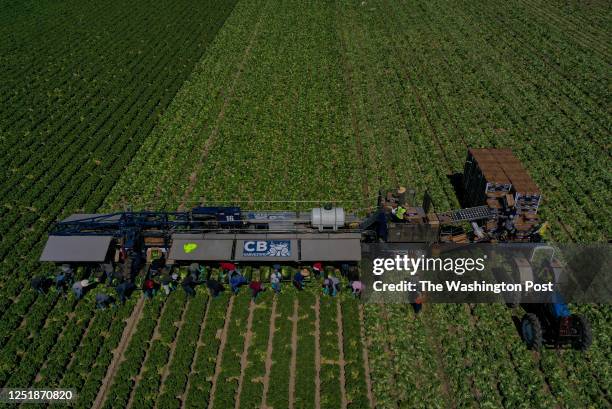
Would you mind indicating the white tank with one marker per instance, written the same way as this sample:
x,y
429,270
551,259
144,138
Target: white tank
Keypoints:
x,y
332,218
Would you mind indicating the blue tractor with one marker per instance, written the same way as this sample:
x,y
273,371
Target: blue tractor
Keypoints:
x,y
554,324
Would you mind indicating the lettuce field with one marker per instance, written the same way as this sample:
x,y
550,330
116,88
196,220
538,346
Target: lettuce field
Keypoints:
x,y
165,104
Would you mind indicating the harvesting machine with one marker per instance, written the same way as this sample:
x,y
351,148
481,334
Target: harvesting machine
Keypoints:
x,y
501,205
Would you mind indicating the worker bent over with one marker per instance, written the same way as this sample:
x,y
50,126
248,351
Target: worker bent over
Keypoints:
x,y
103,301
236,280
188,285
149,288
215,287
79,288
124,289
256,288
357,288
275,281
298,281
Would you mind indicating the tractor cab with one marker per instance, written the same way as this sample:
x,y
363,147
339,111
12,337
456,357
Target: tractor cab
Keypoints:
x,y
552,323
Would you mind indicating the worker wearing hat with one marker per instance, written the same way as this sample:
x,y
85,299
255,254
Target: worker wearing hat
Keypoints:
x,y
79,288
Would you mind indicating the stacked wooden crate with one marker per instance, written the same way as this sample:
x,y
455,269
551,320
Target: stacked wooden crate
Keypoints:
x,y
497,178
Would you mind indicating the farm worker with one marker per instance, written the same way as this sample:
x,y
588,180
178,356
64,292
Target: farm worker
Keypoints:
x,y
398,212
60,281
318,269
149,288
108,270
236,281
357,287
136,263
345,268
275,280
215,287
188,284
335,283
227,267
79,288
165,281
256,288
327,287
124,289
103,301
298,280
63,277
38,284
418,303
194,269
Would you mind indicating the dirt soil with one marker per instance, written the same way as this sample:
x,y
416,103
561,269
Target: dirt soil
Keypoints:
x,y
245,352
366,362
269,360
195,355
223,337
341,361
166,369
317,308
210,141
118,353
292,368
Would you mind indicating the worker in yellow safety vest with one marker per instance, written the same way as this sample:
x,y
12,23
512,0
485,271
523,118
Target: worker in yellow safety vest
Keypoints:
x,y
398,211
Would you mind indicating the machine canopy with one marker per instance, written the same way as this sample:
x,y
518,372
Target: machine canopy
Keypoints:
x,y
75,249
186,248
331,250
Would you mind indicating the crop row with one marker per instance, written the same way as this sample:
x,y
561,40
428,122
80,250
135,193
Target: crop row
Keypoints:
x,y
135,353
227,383
252,381
305,374
186,344
198,392
278,394
147,388
89,364
356,388
330,353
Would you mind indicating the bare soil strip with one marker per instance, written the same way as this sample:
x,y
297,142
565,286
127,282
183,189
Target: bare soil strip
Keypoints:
x,y
292,368
440,368
166,369
208,144
266,378
366,363
245,352
195,355
118,353
213,387
142,367
341,361
317,308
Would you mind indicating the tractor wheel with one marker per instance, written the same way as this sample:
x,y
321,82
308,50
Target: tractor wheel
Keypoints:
x,y
531,330
585,338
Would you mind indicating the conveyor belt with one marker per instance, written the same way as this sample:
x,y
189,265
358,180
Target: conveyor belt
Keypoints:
x,y
469,214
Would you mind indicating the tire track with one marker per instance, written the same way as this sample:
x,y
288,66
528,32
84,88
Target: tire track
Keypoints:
x,y
245,352
266,378
292,367
210,141
366,361
118,354
317,334
166,370
215,378
341,361
195,355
